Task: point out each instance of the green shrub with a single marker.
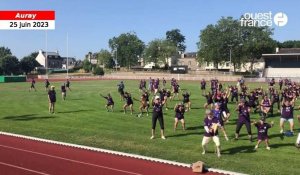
(98, 71)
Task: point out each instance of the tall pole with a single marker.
(230, 57)
(67, 55)
(46, 59)
(117, 59)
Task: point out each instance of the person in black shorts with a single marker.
(144, 104)
(157, 114)
(262, 132)
(68, 84)
(186, 100)
(47, 84)
(179, 115)
(243, 118)
(209, 100)
(203, 85)
(121, 87)
(63, 91)
(32, 85)
(51, 99)
(129, 102)
(110, 102)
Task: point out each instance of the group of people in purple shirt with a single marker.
(217, 112)
(215, 117)
(52, 93)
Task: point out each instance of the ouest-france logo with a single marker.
(280, 19)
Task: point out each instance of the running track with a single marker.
(19, 156)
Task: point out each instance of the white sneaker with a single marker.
(256, 146)
(268, 148)
(281, 131)
(152, 137)
(203, 152)
(219, 155)
(163, 137)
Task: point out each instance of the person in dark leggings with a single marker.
(157, 115)
(51, 99)
(244, 118)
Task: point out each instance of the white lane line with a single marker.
(25, 169)
(70, 160)
(115, 153)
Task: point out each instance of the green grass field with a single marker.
(82, 119)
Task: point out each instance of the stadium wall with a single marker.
(282, 72)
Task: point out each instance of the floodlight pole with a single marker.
(67, 55)
(46, 59)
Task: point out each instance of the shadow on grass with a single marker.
(27, 117)
(239, 149)
(196, 108)
(281, 136)
(179, 133)
(194, 127)
(75, 111)
(281, 145)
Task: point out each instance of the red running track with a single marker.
(28, 157)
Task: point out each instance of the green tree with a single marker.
(98, 71)
(28, 63)
(87, 66)
(105, 58)
(257, 40)
(159, 51)
(175, 37)
(152, 51)
(289, 44)
(127, 48)
(228, 41)
(210, 45)
(4, 51)
(9, 65)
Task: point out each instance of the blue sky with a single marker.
(91, 23)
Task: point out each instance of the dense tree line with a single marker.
(10, 64)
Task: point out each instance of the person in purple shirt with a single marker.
(186, 100)
(280, 83)
(252, 103)
(179, 115)
(32, 85)
(164, 82)
(218, 113)
(144, 101)
(157, 114)
(156, 86)
(51, 99)
(209, 100)
(287, 114)
(110, 102)
(63, 91)
(203, 85)
(211, 125)
(262, 132)
(275, 99)
(234, 93)
(47, 84)
(129, 102)
(265, 106)
(68, 84)
(176, 89)
(244, 118)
